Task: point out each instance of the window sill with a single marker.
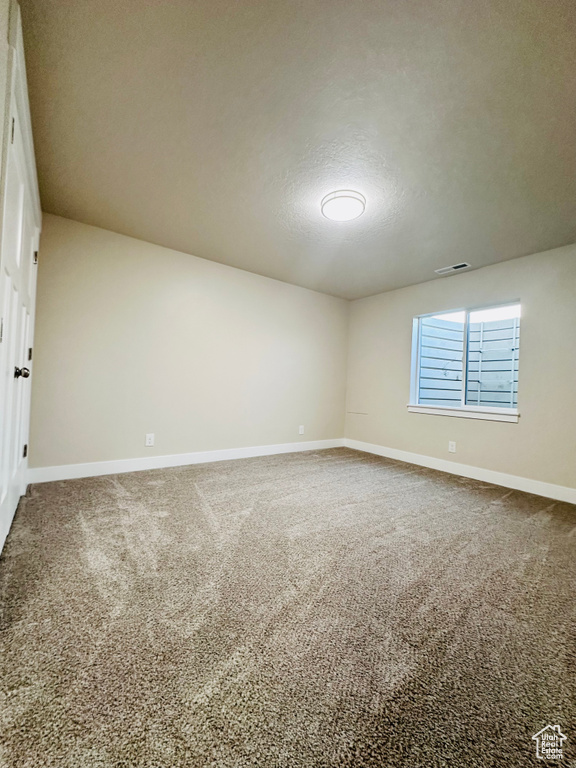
(468, 412)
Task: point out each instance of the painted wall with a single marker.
(542, 445)
(133, 338)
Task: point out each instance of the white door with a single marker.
(17, 297)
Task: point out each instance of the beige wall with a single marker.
(542, 446)
(134, 338)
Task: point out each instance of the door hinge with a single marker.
(35, 257)
(25, 451)
(1, 329)
(12, 139)
(29, 353)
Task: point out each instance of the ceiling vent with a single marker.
(453, 268)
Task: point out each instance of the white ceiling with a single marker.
(215, 127)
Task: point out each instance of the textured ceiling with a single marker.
(216, 126)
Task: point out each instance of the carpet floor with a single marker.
(321, 609)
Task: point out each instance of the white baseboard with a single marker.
(551, 491)
(96, 468)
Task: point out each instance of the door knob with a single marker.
(24, 372)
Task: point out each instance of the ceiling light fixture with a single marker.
(343, 205)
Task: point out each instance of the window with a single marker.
(465, 363)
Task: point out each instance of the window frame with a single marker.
(487, 413)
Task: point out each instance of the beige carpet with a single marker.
(327, 608)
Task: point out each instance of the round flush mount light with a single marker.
(343, 205)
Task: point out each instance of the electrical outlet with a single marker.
(301, 430)
(451, 446)
(149, 439)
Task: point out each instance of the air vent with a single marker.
(453, 268)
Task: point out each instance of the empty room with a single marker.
(287, 376)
